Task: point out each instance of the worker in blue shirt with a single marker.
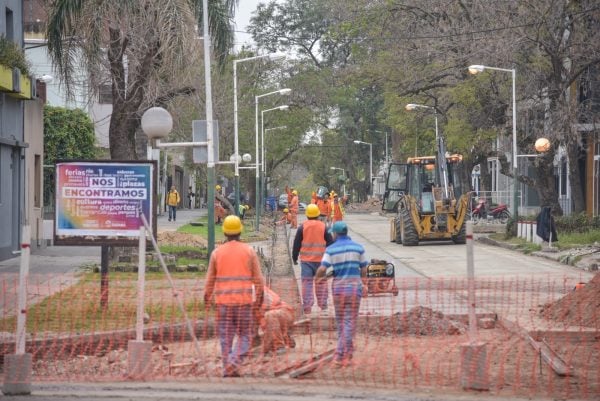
(346, 263)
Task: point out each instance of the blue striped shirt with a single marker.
(344, 260)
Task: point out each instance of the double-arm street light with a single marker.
(344, 175)
(414, 106)
(476, 69)
(262, 148)
(272, 56)
(263, 152)
(284, 91)
(370, 163)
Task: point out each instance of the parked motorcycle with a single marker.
(497, 212)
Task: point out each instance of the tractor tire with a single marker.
(461, 237)
(398, 223)
(409, 232)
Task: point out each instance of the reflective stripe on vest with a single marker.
(313, 241)
(233, 281)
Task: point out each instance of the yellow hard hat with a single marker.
(312, 210)
(294, 192)
(232, 225)
(218, 187)
(286, 210)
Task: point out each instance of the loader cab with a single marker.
(418, 178)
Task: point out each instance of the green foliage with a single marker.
(576, 223)
(576, 239)
(68, 134)
(13, 56)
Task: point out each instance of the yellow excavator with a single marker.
(429, 197)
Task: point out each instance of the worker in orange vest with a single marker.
(337, 208)
(286, 218)
(290, 193)
(309, 246)
(324, 208)
(293, 206)
(276, 322)
(235, 279)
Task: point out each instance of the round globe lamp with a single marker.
(157, 122)
(542, 145)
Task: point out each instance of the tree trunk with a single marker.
(573, 153)
(122, 133)
(546, 188)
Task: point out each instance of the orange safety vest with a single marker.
(323, 205)
(313, 241)
(337, 211)
(233, 281)
(293, 206)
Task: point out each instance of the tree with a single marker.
(68, 134)
(141, 49)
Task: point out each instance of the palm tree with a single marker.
(139, 47)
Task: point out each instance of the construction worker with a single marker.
(324, 207)
(309, 245)
(345, 261)
(293, 206)
(337, 208)
(220, 211)
(235, 279)
(173, 200)
(286, 218)
(290, 193)
(276, 322)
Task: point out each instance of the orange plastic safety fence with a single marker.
(536, 335)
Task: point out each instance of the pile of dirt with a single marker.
(419, 321)
(580, 307)
(371, 206)
(181, 239)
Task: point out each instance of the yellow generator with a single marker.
(381, 278)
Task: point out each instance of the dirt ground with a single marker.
(581, 307)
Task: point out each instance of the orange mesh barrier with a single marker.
(540, 334)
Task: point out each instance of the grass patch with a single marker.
(248, 233)
(181, 249)
(574, 240)
(77, 310)
(202, 230)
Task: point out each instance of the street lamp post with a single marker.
(284, 91)
(475, 69)
(344, 175)
(370, 163)
(263, 152)
(272, 56)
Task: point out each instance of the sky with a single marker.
(242, 19)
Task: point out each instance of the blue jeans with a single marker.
(172, 212)
(346, 315)
(234, 320)
(307, 273)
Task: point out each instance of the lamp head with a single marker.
(410, 107)
(157, 122)
(285, 91)
(357, 142)
(476, 69)
(284, 107)
(46, 78)
(247, 157)
(542, 145)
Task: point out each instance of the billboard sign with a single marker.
(99, 202)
